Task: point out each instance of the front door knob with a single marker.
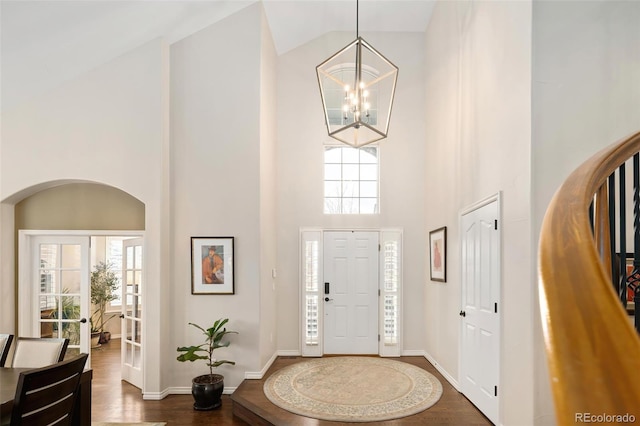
(463, 314)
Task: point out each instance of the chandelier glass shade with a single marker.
(357, 85)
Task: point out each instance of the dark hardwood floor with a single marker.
(116, 401)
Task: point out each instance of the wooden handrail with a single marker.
(593, 352)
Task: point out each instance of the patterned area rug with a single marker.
(353, 389)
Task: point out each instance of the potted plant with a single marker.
(207, 389)
(104, 283)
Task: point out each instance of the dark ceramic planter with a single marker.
(207, 391)
(105, 336)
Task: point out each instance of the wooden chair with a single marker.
(36, 352)
(48, 395)
(5, 345)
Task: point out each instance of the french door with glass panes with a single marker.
(56, 302)
(132, 281)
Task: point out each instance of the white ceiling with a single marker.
(45, 43)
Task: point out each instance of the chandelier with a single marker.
(357, 85)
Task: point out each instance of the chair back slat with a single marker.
(62, 415)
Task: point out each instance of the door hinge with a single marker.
(378, 292)
(495, 307)
(495, 391)
(378, 337)
(495, 224)
(379, 247)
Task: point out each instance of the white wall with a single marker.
(105, 126)
(478, 139)
(219, 156)
(586, 95)
(268, 170)
(7, 270)
(301, 135)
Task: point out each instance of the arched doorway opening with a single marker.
(104, 216)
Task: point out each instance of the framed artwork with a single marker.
(212, 265)
(438, 254)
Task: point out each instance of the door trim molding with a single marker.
(479, 204)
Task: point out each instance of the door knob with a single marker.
(82, 320)
(121, 315)
(326, 299)
(463, 314)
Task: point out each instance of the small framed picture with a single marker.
(212, 265)
(438, 254)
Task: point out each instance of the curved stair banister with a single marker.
(593, 351)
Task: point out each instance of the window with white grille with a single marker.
(351, 180)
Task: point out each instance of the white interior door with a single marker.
(351, 292)
(132, 285)
(480, 346)
(54, 300)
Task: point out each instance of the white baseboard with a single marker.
(413, 352)
(116, 336)
(182, 390)
(260, 374)
(442, 371)
(291, 352)
(157, 396)
(257, 375)
(179, 390)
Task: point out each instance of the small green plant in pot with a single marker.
(207, 389)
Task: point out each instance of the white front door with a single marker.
(132, 284)
(350, 293)
(54, 301)
(480, 321)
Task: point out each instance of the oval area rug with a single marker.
(353, 389)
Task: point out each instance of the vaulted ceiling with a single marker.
(45, 43)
